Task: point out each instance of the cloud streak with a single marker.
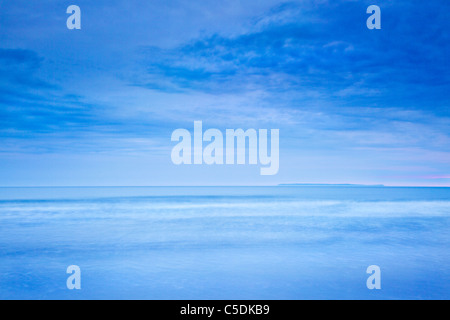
(338, 92)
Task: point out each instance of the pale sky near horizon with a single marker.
(97, 106)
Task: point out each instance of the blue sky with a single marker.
(97, 106)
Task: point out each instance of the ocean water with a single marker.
(225, 242)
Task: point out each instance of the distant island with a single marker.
(328, 185)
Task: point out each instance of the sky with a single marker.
(97, 106)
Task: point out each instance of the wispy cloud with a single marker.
(345, 98)
(329, 53)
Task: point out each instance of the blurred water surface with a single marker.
(292, 242)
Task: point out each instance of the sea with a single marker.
(252, 243)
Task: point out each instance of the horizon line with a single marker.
(233, 186)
